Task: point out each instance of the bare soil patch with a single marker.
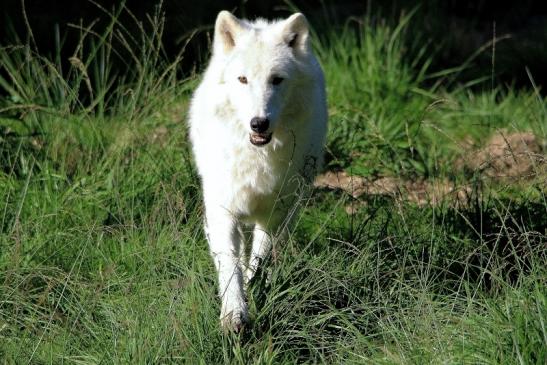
(506, 157)
(420, 192)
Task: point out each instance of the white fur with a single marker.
(248, 184)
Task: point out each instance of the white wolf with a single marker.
(258, 121)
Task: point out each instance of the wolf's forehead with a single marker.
(260, 53)
(261, 42)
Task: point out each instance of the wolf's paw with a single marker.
(259, 274)
(234, 319)
(248, 275)
(254, 269)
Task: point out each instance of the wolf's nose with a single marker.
(260, 125)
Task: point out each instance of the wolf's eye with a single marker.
(277, 80)
(242, 79)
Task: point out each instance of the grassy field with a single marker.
(103, 258)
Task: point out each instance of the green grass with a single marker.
(103, 258)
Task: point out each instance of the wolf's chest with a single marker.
(257, 174)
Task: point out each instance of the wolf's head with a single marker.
(263, 65)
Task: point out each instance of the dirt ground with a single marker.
(506, 157)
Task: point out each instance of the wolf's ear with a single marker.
(227, 29)
(296, 32)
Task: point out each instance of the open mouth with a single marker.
(260, 139)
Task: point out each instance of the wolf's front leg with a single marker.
(224, 243)
(267, 230)
(261, 246)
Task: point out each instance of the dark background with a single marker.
(455, 29)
